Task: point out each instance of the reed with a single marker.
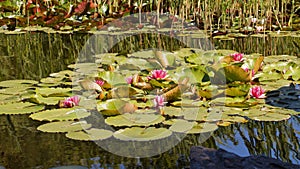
(214, 14)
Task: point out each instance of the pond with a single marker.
(268, 126)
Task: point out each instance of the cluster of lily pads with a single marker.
(149, 95)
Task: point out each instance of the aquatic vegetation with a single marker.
(129, 79)
(257, 92)
(159, 101)
(158, 74)
(237, 57)
(188, 96)
(71, 101)
(100, 82)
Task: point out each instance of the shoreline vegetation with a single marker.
(244, 16)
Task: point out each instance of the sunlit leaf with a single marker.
(61, 114)
(91, 134)
(142, 134)
(63, 126)
(20, 108)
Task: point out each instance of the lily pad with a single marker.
(63, 126)
(271, 117)
(197, 114)
(236, 73)
(173, 111)
(4, 98)
(47, 100)
(142, 134)
(203, 128)
(113, 78)
(20, 108)
(14, 83)
(182, 126)
(60, 114)
(89, 135)
(115, 107)
(48, 92)
(134, 120)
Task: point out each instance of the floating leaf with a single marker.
(173, 111)
(58, 92)
(134, 120)
(115, 107)
(271, 117)
(203, 128)
(182, 126)
(197, 114)
(63, 126)
(61, 114)
(237, 119)
(52, 80)
(15, 90)
(8, 98)
(20, 108)
(235, 91)
(15, 83)
(113, 78)
(91, 134)
(123, 92)
(46, 100)
(142, 134)
(235, 73)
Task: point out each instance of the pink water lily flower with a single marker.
(129, 79)
(71, 101)
(100, 82)
(252, 71)
(238, 57)
(159, 101)
(257, 92)
(158, 74)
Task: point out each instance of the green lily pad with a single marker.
(46, 100)
(115, 107)
(63, 126)
(197, 114)
(52, 80)
(89, 135)
(20, 108)
(15, 83)
(182, 126)
(134, 120)
(58, 92)
(203, 128)
(230, 118)
(4, 98)
(142, 134)
(235, 73)
(112, 78)
(60, 114)
(15, 90)
(173, 111)
(63, 73)
(271, 117)
(123, 92)
(235, 91)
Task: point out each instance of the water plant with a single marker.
(185, 98)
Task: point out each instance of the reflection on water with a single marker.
(22, 146)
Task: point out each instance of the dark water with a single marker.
(36, 55)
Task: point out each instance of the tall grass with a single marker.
(218, 13)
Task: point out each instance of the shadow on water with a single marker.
(22, 146)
